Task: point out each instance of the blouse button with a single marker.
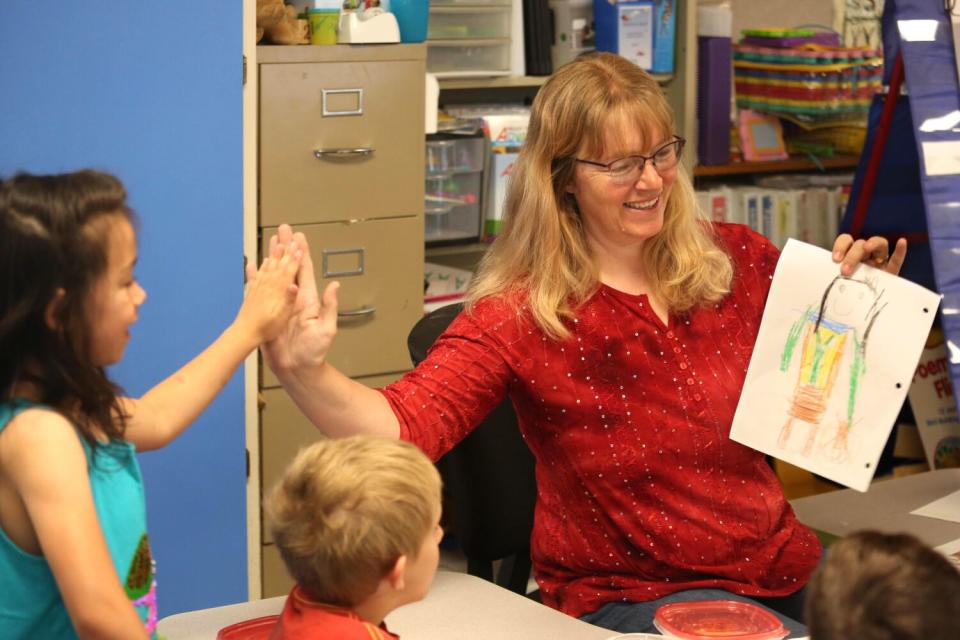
(696, 397)
(683, 365)
(669, 334)
(676, 349)
(690, 381)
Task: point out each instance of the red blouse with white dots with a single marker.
(641, 491)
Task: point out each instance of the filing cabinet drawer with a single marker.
(378, 306)
(276, 580)
(284, 430)
(366, 123)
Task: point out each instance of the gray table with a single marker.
(886, 506)
(458, 606)
(464, 607)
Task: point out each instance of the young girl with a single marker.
(74, 553)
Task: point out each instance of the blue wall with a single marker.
(151, 91)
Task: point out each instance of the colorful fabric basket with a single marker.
(810, 85)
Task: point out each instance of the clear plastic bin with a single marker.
(455, 155)
(452, 206)
(449, 58)
(450, 222)
(469, 22)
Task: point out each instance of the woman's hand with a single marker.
(309, 332)
(874, 251)
(268, 302)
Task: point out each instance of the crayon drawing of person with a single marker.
(846, 314)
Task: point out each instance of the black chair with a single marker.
(490, 478)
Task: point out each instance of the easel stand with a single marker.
(885, 198)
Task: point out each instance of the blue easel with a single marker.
(901, 186)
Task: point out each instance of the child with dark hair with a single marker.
(74, 554)
(878, 586)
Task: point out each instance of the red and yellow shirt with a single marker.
(306, 619)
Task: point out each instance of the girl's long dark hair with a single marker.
(48, 244)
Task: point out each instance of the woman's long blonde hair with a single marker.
(542, 251)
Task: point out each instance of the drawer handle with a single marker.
(324, 154)
(363, 311)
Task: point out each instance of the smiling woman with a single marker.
(620, 323)
(603, 110)
(622, 205)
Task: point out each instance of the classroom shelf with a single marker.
(501, 82)
(456, 249)
(796, 163)
(492, 83)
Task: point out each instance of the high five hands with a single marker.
(270, 294)
(304, 342)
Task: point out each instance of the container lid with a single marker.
(253, 629)
(729, 619)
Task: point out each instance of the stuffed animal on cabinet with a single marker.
(277, 23)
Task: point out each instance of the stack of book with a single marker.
(781, 207)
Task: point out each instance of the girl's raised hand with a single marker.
(271, 292)
(161, 414)
(305, 341)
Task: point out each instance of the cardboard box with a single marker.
(934, 405)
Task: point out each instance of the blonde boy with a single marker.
(357, 522)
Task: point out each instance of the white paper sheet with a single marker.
(941, 158)
(952, 551)
(635, 33)
(831, 365)
(945, 508)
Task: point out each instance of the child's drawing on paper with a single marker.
(831, 364)
(832, 336)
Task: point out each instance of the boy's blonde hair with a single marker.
(347, 508)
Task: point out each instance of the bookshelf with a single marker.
(499, 82)
(502, 82)
(794, 163)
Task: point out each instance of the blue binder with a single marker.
(643, 31)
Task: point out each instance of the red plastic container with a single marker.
(729, 619)
(253, 629)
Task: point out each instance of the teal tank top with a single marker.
(30, 603)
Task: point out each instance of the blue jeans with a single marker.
(638, 616)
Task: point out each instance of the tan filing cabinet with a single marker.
(341, 157)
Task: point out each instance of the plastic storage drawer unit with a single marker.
(452, 206)
(455, 155)
(464, 58)
(469, 22)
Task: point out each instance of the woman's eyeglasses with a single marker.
(624, 171)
